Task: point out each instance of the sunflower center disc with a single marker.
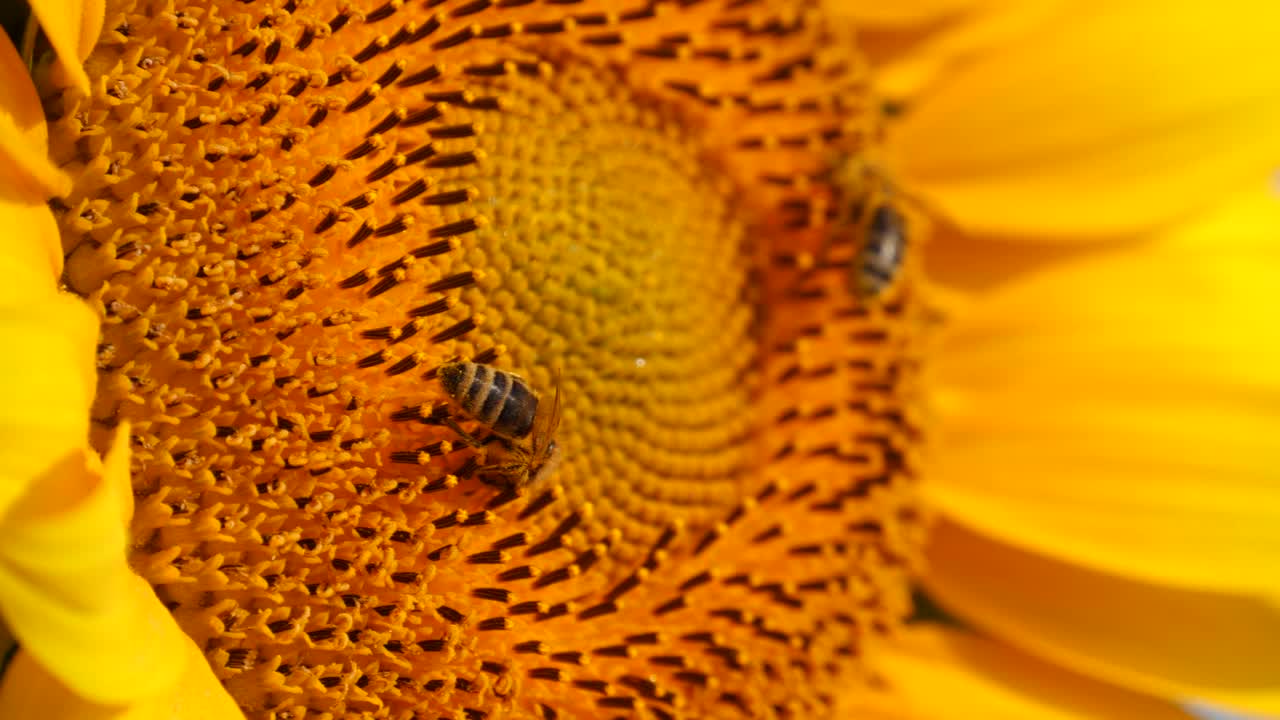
(289, 217)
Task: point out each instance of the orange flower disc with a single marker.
(291, 213)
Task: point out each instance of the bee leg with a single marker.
(499, 475)
(507, 468)
(476, 463)
(466, 437)
(468, 468)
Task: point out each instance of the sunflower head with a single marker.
(297, 220)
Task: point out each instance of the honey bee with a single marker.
(503, 402)
(870, 217)
(884, 246)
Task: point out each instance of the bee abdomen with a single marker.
(883, 250)
(496, 398)
(513, 417)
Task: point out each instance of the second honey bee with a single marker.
(869, 215)
(504, 403)
(883, 248)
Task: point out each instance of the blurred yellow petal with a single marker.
(911, 72)
(898, 14)
(110, 640)
(1122, 410)
(1250, 218)
(72, 27)
(24, 139)
(932, 673)
(30, 691)
(978, 264)
(1172, 643)
(20, 108)
(30, 251)
(49, 381)
(1112, 119)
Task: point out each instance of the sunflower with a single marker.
(274, 222)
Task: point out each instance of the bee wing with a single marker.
(545, 425)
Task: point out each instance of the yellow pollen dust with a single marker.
(290, 214)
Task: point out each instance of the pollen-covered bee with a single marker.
(503, 402)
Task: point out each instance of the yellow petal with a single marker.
(898, 14)
(48, 385)
(1122, 411)
(912, 70)
(27, 174)
(976, 264)
(1171, 643)
(933, 673)
(69, 595)
(30, 250)
(30, 691)
(1112, 119)
(72, 27)
(1250, 219)
(1207, 711)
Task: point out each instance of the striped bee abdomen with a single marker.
(497, 398)
(882, 252)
